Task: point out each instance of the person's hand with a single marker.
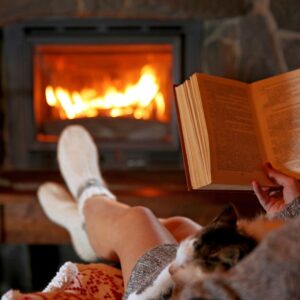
(274, 200)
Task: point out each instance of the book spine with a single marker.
(185, 161)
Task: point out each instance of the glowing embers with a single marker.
(140, 100)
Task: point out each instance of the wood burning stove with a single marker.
(123, 89)
(114, 77)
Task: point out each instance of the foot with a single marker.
(60, 207)
(79, 165)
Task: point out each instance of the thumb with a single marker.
(291, 186)
(260, 194)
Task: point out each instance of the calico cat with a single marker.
(215, 248)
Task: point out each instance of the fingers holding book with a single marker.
(274, 199)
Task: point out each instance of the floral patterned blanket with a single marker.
(80, 282)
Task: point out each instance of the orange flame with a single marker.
(143, 100)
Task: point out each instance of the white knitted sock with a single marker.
(60, 207)
(91, 188)
(79, 165)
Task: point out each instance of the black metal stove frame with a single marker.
(24, 151)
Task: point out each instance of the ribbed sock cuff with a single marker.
(90, 189)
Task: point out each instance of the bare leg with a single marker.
(180, 227)
(61, 208)
(118, 231)
(114, 229)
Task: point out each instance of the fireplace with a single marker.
(113, 77)
(123, 90)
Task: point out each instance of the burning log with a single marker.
(120, 129)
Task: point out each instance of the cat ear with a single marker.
(230, 256)
(228, 216)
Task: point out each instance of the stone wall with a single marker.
(244, 39)
(254, 46)
(159, 9)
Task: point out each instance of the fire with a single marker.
(142, 100)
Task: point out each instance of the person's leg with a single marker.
(180, 227)
(118, 231)
(61, 208)
(114, 229)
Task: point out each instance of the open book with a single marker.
(229, 128)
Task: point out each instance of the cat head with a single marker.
(215, 248)
(220, 245)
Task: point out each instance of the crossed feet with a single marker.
(79, 165)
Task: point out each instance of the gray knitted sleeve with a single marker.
(291, 210)
(148, 267)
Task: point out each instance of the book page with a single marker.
(236, 155)
(277, 104)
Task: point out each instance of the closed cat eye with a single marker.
(208, 263)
